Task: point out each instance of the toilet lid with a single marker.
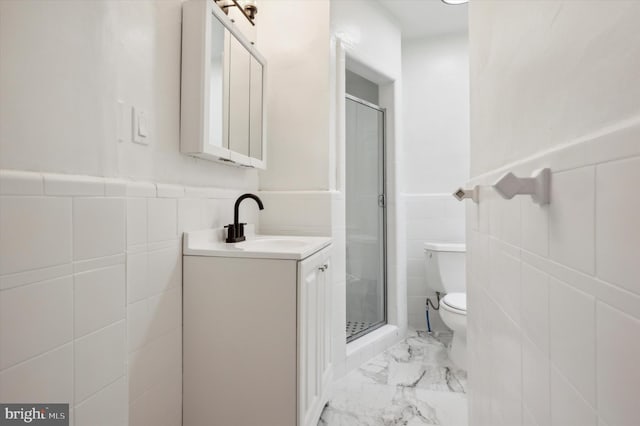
(456, 300)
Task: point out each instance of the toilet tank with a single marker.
(445, 266)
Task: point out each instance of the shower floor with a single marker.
(355, 327)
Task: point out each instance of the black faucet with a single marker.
(235, 230)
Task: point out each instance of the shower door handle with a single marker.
(382, 202)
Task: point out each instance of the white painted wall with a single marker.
(436, 113)
(66, 64)
(295, 39)
(565, 89)
(435, 74)
(370, 35)
(553, 293)
(91, 267)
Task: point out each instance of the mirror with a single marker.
(240, 79)
(218, 92)
(222, 108)
(256, 129)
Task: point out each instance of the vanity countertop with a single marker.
(210, 242)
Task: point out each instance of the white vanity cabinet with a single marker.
(257, 336)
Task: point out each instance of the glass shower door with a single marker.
(365, 218)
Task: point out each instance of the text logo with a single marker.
(34, 414)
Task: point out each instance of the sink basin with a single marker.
(267, 244)
(210, 242)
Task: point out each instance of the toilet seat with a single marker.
(455, 302)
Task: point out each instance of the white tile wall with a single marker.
(618, 373)
(535, 227)
(47, 377)
(158, 360)
(20, 183)
(535, 307)
(99, 360)
(567, 405)
(572, 219)
(137, 283)
(190, 214)
(136, 221)
(34, 319)
(535, 382)
(164, 269)
(99, 298)
(98, 227)
(36, 233)
(162, 219)
(73, 185)
(504, 278)
(105, 407)
(90, 292)
(576, 323)
(527, 418)
(617, 230)
(572, 336)
(506, 357)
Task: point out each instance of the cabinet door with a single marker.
(325, 326)
(314, 337)
(255, 118)
(308, 394)
(218, 84)
(239, 97)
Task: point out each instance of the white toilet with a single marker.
(446, 273)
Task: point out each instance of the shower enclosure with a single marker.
(365, 218)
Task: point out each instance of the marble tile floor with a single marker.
(412, 383)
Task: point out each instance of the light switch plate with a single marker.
(139, 127)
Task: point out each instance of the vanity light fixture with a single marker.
(248, 8)
(455, 2)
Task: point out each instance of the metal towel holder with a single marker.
(462, 194)
(538, 186)
(509, 185)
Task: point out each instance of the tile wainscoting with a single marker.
(91, 292)
(553, 291)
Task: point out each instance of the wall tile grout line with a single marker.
(69, 273)
(73, 306)
(549, 266)
(602, 137)
(38, 355)
(75, 405)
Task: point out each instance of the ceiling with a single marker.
(424, 18)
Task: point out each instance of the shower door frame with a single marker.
(382, 204)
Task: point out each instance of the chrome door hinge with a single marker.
(382, 201)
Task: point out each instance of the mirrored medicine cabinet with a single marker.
(222, 112)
